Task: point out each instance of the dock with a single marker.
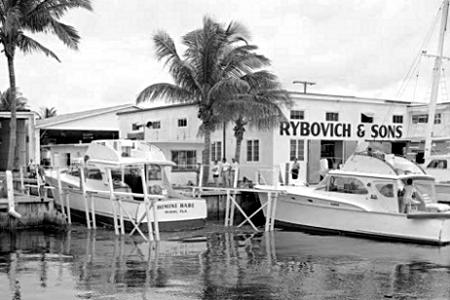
(20, 209)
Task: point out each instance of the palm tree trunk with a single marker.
(206, 156)
(12, 150)
(237, 153)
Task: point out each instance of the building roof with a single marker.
(156, 108)
(82, 115)
(331, 97)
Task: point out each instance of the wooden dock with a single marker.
(20, 210)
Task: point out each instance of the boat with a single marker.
(364, 198)
(124, 160)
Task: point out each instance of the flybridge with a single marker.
(340, 130)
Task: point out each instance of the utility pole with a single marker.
(435, 83)
(305, 84)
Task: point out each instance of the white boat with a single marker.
(364, 198)
(125, 159)
(438, 166)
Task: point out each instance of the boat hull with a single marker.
(172, 214)
(297, 211)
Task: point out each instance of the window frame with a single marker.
(297, 114)
(185, 166)
(332, 116)
(253, 150)
(182, 123)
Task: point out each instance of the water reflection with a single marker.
(226, 265)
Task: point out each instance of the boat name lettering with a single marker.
(340, 130)
(167, 206)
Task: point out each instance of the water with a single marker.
(216, 264)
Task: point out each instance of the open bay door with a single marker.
(313, 161)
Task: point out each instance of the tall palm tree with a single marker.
(258, 105)
(5, 101)
(215, 59)
(47, 112)
(18, 16)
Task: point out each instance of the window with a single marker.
(154, 124)
(297, 114)
(397, 119)
(216, 151)
(184, 159)
(135, 126)
(438, 164)
(346, 185)
(385, 189)
(154, 172)
(182, 122)
(297, 150)
(437, 119)
(424, 118)
(253, 150)
(366, 118)
(332, 116)
(94, 174)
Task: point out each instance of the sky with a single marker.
(352, 47)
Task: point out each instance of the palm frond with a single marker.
(166, 91)
(181, 71)
(28, 45)
(66, 33)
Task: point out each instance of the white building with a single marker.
(317, 127)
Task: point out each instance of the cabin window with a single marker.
(216, 151)
(74, 172)
(154, 172)
(332, 116)
(397, 119)
(94, 174)
(348, 185)
(186, 160)
(438, 164)
(253, 150)
(385, 189)
(297, 114)
(297, 150)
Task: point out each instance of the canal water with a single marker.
(214, 263)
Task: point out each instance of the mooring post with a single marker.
(10, 192)
(200, 178)
(60, 192)
(83, 192)
(269, 211)
(22, 180)
(227, 209)
(69, 216)
(274, 209)
(94, 221)
(113, 200)
(147, 203)
(155, 218)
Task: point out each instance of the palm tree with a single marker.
(258, 106)
(210, 72)
(5, 101)
(18, 16)
(47, 112)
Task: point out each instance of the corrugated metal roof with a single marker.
(82, 115)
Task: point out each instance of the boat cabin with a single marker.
(376, 183)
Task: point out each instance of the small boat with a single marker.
(126, 159)
(365, 198)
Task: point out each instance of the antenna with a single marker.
(305, 84)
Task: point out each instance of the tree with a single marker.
(47, 112)
(18, 16)
(5, 101)
(215, 59)
(258, 106)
